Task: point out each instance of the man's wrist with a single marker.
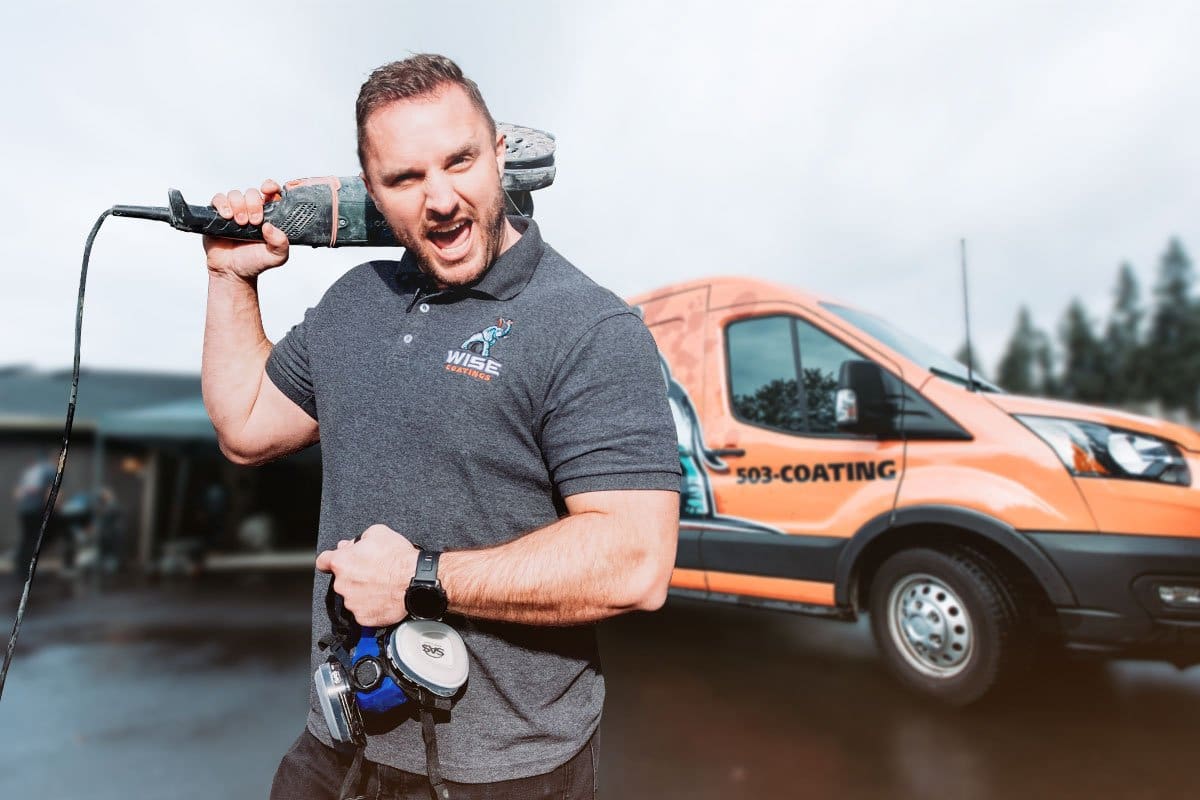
(403, 567)
(223, 277)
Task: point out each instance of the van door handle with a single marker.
(731, 452)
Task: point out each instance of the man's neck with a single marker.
(509, 237)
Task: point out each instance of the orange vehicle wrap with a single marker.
(839, 508)
(689, 579)
(750, 526)
(1005, 471)
(813, 593)
(1126, 506)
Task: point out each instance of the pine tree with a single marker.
(1173, 345)
(1083, 375)
(1044, 362)
(1124, 367)
(1017, 370)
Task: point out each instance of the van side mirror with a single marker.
(862, 404)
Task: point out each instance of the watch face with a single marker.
(424, 601)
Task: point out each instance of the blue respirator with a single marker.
(420, 660)
(424, 661)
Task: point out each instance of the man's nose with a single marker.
(440, 198)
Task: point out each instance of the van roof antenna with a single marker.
(967, 318)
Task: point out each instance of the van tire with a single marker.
(946, 622)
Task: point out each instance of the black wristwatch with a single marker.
(425, 598)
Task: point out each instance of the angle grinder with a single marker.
(338, 212)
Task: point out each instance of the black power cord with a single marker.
(48, 510)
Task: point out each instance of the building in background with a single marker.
(146, 437)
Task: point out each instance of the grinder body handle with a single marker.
(304, 212)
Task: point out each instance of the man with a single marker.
(30, 494)
(547, 475)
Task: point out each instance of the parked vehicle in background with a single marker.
(833, 465)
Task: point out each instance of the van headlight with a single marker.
(1091, 450)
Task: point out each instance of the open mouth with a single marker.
(452, 240)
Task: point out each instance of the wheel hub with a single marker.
(929, 623)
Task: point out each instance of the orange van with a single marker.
(833, 465)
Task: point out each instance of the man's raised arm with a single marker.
(255, 422)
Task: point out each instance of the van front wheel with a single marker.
(945, 622)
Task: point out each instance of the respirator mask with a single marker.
(372, 672)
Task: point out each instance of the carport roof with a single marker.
(181, 419)
(35, 400)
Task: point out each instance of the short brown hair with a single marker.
(420, 75)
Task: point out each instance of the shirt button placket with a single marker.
(417, 323)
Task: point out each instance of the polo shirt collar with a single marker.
(514, 268)
(508, 275)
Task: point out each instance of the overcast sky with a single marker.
(844, 148)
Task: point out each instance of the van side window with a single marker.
(821, 358)
(762, 373)
(766, 355)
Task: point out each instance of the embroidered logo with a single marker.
(473, 358)
(487, 337)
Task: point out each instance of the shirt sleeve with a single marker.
(606, 424)
(289, 369)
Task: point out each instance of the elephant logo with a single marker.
(487, 338)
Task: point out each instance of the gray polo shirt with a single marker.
(462, 418)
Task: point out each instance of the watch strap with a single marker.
(427, 567)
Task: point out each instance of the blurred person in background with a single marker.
(107, 530)
(30, 494)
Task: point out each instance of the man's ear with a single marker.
(501, 152)
(367, 183)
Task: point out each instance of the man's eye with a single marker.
(460, 163)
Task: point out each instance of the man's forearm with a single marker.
(585, 567)
(235, 350)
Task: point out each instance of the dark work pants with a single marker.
(312, 771)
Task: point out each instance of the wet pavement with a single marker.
(194, 689)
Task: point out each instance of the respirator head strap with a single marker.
(350, 785)
(433, 765)
(344, 627)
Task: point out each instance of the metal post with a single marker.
(149, 510)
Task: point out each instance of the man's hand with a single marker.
(246, 260)
(372, 574)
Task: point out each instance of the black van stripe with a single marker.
(770, 555)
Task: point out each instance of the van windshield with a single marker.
(910, 347)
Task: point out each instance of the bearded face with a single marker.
(433, 167)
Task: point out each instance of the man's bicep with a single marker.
(643, 525)
(648, 517)
(283, 418)
(655, 507)
(277, 426)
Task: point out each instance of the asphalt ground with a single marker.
(193, 689)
